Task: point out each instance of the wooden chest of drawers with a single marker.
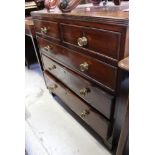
(80, 52)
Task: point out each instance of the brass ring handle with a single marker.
(84, 113)
(84, 66)
(44, 30)
(52, 67)
(52, 88)
(83, 41)
(84, 91)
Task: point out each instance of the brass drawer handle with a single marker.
(84, 91)
(84, 113)
(47, 48)
(84, 66)
(82, 41)
(52, 67)
(44, 30)
(52, 88)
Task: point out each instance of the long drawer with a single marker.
(98, 40)
(97, 122)
(88, 91)
(102, 73)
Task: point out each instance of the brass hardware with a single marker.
(47, 48)
(84, 66)
(43, 30)
(84, 113)
(82, 41)
(52, 88)
(84, 91)
(52, 67)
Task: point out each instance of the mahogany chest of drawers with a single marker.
(80, 53)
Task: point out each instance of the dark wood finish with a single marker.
(97, 98)
(120, 116)
(109, 45)
(100, 72)
(99, 24)
(80, 54)
(121, 130)
(93, 119)
(122, 148)
(51, 27)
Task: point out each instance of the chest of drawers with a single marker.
(80, 52)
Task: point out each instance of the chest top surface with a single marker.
(88, 12)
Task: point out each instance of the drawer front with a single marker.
(102, 73)
(88, 91)
(96, 121)
(98, 40)
(46, 28)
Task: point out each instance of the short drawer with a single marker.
(96, 121)
(98, 40)
(102, 73)
(90, 92)
(47, 28)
